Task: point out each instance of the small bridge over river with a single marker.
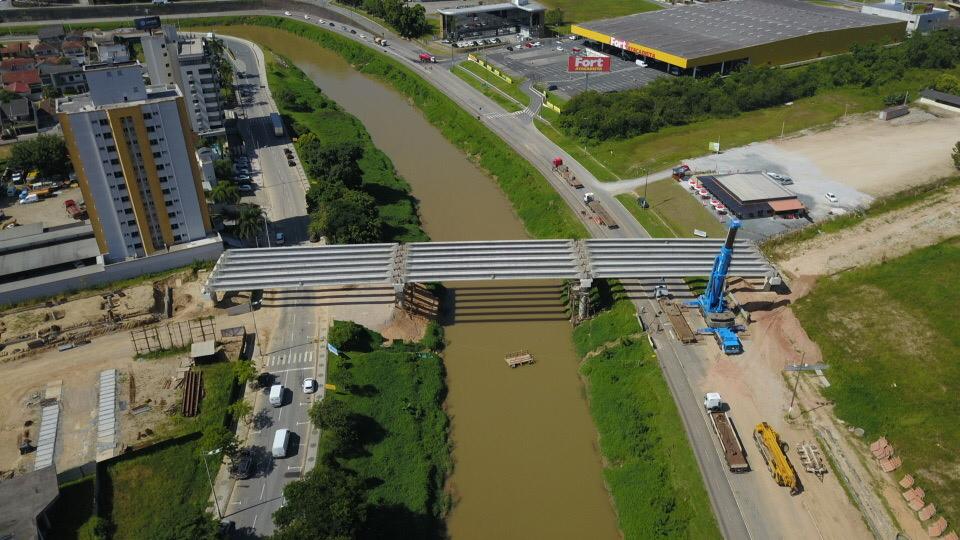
(399, 265)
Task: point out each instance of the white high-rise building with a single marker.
(174, 59)
(133, 151)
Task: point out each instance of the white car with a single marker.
(363, 36)
(832, 198)
(309, 386)
(641, 63)
(559, 48)
(307, 17)
(287, 13)
(572, 37)
(321, 21)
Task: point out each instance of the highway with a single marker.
(296, 349)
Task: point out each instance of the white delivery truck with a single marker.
(280, 440)
(276, 395)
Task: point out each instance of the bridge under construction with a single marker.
(400, 265)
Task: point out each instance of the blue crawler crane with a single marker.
(713, 303)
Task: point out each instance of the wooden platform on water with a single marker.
(518, 358)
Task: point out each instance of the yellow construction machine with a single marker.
(774, 453)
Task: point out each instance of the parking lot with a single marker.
(547, 64)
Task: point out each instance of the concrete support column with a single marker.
(583, 298)
(399, 293)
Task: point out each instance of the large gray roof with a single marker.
(56, 246)
(700, 30)
(22, 499)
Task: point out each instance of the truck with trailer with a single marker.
(723, 426)
(277, 124)
(565, 173)
(600, 215)
(774, 453)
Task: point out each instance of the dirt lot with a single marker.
(50, 211)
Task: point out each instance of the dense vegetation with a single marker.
(384, 451)
(45, 153)
(648, 465)
(355, 194)
(675, 101)
(408, 21)
(543, 212)
(893, 352)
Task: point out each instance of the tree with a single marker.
(249, 221)
(223, 169)
(219, 438)
(554, 17)
(330, 414)
(244, 371)
(353, 219)
(956, 155)
(225, 193)
(947, 83)
(242, 410)
(329, 504)
(331, 161)
(350, 336)
(45, 153)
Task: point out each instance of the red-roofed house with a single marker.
(20, 88)
(31, 79)
(17, 64)
(17, 49)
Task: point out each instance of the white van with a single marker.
(280, 440)
(276, 395)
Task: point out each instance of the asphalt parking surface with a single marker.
(547, 65)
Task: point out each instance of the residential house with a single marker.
(75, 49)
(19, 81)
(51, 34)
(64, 78)
(16, 116)
(110, 51)
(47, 49)
(16, 49)
(17, 64)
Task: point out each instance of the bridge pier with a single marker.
(581, 299)
(399, 294)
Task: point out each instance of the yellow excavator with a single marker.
(774, 453)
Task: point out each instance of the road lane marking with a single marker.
(262, 490)
(254, 526)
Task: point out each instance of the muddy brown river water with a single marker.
(525, 448)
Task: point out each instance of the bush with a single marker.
(433, 337)
(350, 336)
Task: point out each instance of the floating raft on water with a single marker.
(518, 358)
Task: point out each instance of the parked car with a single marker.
(831, 197)
(245, 189)
(309, 386)
(243, 177)
(291, 163)
(279, 239)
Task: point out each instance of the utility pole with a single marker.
(216, 501)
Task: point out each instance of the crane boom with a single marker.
(712, 300)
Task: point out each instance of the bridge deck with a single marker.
(424, 262)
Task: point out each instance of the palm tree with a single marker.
(250, 221)
(225, 193)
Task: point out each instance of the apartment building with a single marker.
(185, 62)
(133, 152)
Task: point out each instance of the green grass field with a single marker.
(404, 433)
(667, 147)
(508, 104)
(396, 205)
(511, 89)
(892, 338)
(672, 212)
(648, 465)
(158, 493)
(591, 10)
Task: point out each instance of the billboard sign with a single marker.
(147, 23)
(588, 64)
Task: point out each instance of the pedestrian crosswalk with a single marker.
(524, 112)
(291, 359)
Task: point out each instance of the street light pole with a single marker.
(206, 467)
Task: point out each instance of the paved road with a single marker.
(296, 350)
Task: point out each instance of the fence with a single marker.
(489, 67)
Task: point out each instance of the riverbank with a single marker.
(648, 465)
(542, 211)
(307, 110)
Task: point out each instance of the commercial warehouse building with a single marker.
(521, 17)
(752, 195)
(718, 37)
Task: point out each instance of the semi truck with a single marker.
(600, 215)
(428, 58)
(774, 453)
(565, 173)
(277, 124)
(726, 433)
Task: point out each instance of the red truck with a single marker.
(565, 173)
(428, 58)
(74, 210)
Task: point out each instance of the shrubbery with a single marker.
(673, 101)
(350, 336)
(409, 21)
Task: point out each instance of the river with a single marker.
(525, 449)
